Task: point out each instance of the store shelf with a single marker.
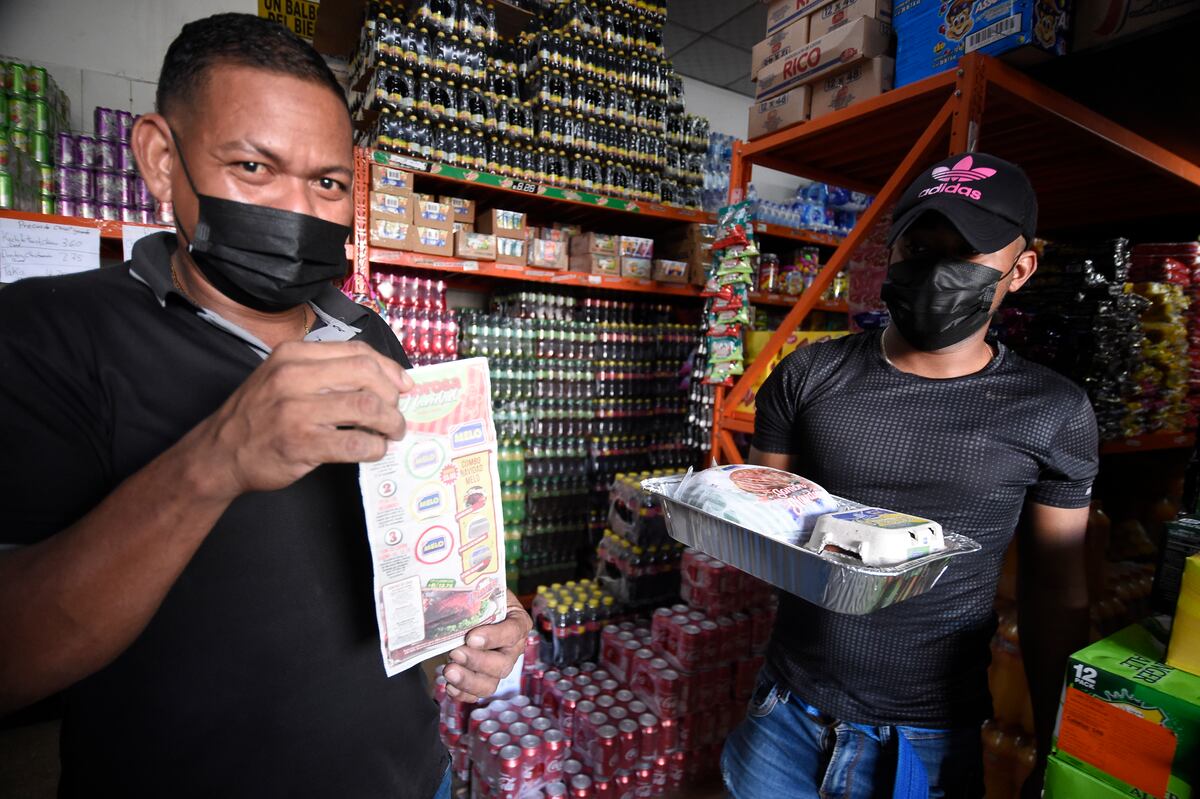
(109, 230)
(795, 234)
(1149, 443)
(564, 205)
(788, 300)
(490, 269)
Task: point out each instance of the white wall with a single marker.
(729, 113)
(101, 52)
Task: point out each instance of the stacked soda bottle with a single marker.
(587, 388)
(415, 308)
(585, 100)
(567, 618)
(511, 460)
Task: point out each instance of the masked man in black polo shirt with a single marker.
(180, 436)
(929, 418)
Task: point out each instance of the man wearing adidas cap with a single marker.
(931, 418)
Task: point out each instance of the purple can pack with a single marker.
(106, 123)
(106, 152)
(108, 187)
(85, 151)
(145, 216)
(128, 190)
(68, 207)
(85, 209)
(65, 152)
(144, 198)
(74, 183)
(124, 125)
(125, 159)
(109, 211)
(164, 214)
(129, 213)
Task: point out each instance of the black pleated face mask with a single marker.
(937, 302)
(260, 257)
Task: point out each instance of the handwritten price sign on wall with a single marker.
(44, 249)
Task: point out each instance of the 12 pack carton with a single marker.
(1128, 719)
(933, 35)
(864, 80)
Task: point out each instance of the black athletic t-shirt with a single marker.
(260, 674)
(966, 452)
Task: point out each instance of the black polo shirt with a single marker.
(260, 674)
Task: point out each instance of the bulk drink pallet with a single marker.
(1090, 173)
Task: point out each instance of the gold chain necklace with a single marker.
(308, 323)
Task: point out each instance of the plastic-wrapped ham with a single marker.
(771, 502)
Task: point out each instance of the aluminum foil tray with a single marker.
(836, 582)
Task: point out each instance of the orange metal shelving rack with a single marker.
(1089, 172)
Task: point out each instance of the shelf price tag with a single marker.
(45, 249)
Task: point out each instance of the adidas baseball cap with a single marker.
(987, 199)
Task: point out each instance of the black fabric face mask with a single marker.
(264, 258)
(937, 302)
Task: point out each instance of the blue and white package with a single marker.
(933, 35)
(770, 502)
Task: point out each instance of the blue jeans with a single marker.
(786, 749)
(443, 791)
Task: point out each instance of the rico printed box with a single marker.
(843, 12)
(863, 38)
(1130, 720)
(864, 80)
(933, 35)
(780, 44)
(779, 112)
(434, 521)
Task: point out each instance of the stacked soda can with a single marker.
(32, 111)
(415, 308)
(718, 587)
(95, 176)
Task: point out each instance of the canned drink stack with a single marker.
(581, 787)
(497, 742)
(106, 124)
(124, 125)
(64, 149)
(86, 152)
(509, 771)
(555, 790)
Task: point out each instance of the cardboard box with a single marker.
(427, 198)
(1066, 782)
(474, 246)
(551, 234)
(931, 41)
(596, 264)
(833, 52)
(782, 13)
(634, 247)
(512, 250)
(430, 240)
(388, 233)
(779, 112)
(780, 44)
(547, 254)
(1130, 720)
(391, 181)
(463, 210)
(395, 206)
(433, 214)
(843, 12)
(510, 224)
(1184, 651)
(864, 80)
(636, 267)
(665, 271)
(594, 244)
(463, 227)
